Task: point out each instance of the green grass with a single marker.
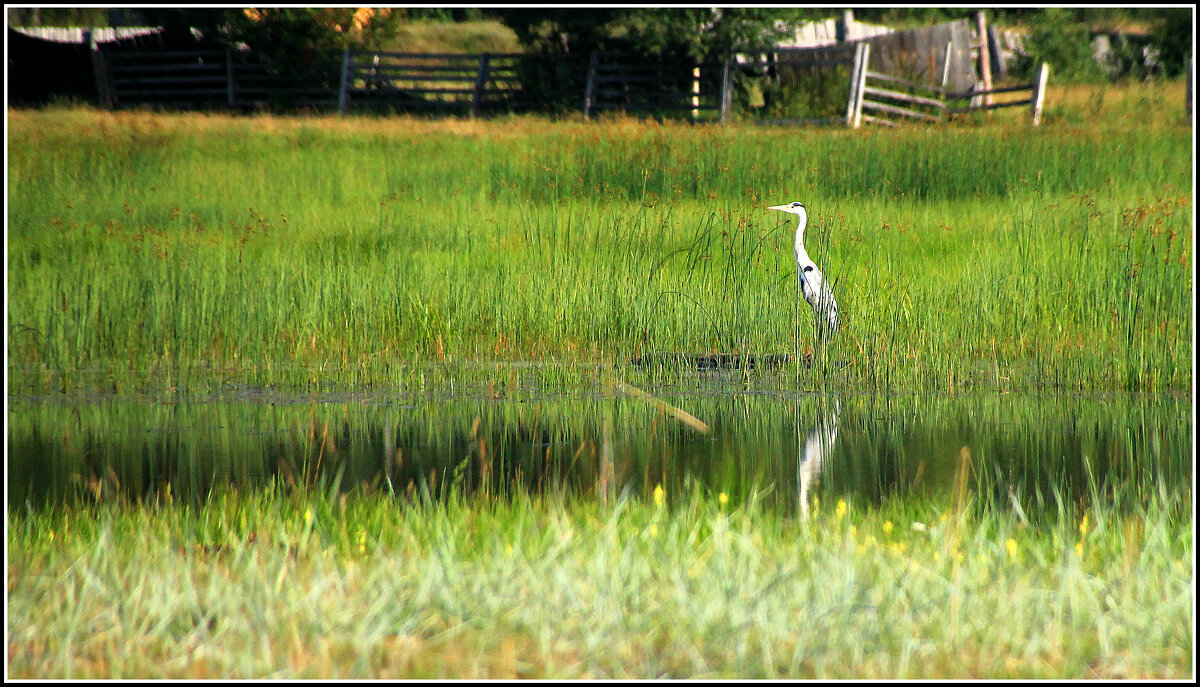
(282, 583)
(454, 37)
(150, 252)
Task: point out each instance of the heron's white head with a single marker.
(796, 208)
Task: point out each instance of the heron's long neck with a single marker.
(800, 235)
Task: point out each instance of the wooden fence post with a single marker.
(858, 78)
(229, 77)
(480, 80)
(590, 90)
(985, 59)
(1039, 92)
(842, 29)
(726, 88)
(347, 77)
(99, 71)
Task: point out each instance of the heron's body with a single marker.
(816, 290)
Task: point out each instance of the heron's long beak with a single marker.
(779, 207)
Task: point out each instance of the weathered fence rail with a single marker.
(927, 102)
(629, 83)
(199, 78)
(472, 82)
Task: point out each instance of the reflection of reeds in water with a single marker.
(817, 446)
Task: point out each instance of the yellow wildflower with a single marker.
(722, 498)
(1083, 525)
(1011, 545)
(887, 527)
(841, 508)
(659, 495)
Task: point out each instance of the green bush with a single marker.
(1065, 45)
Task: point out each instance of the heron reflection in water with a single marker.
(817, 446)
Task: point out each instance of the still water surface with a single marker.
(1025, 451)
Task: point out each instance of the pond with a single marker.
(788, 448)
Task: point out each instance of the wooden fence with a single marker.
(471, 82)
(884, 94)
(399, 81)
(631, 83)
(198, 78)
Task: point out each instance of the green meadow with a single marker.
(339, 397)
(151, 252)
(279, 583)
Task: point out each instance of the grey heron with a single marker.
(816, 290)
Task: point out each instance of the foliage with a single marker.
(698, 33)
(1173, 37)
(1065, 45)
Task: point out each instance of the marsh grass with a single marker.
(157, 252)
(308, 584)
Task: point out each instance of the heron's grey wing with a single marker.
(810, 282)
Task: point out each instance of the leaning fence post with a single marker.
(946, 64)
(590, 90)
(1039, 92)
(344, 87)
(858, 78)
(480, 79)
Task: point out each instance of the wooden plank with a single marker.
(878, 120)
(638, 107)
(897, 95)
(665, 96)
(435, 56)
(879, 76)
(384, 68)
(171, 68)
(903, 111)
(421, 89)
(159, 56)
(993, 106)
(181, 94)
(964, 95)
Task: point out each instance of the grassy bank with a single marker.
(282, 584)
(151, 252)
